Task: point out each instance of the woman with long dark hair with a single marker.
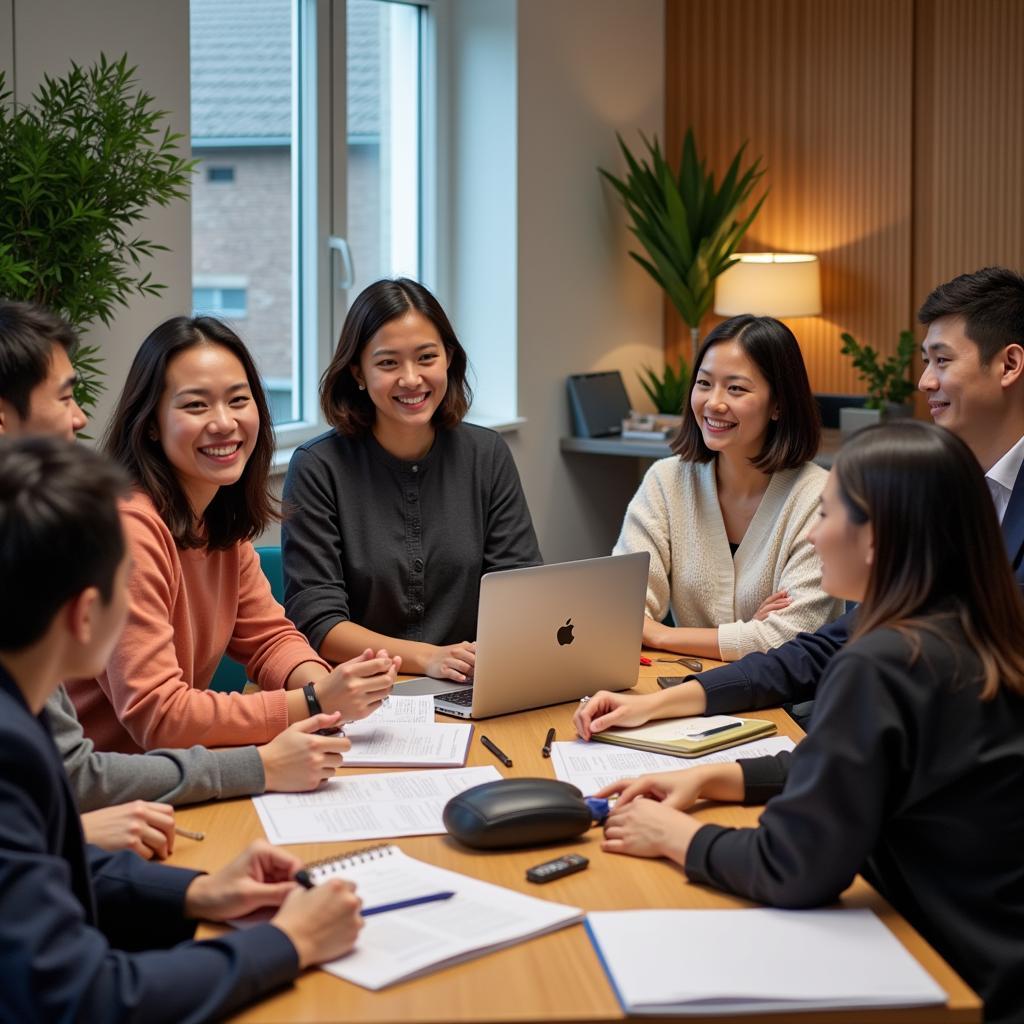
(913, 766)
(394, 515)
(193, 430)
(725, 519)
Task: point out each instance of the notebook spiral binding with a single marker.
(361, 856)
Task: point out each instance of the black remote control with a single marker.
(552, 869)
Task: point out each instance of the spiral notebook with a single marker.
(414, 941)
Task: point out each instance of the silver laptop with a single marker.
(550, 634)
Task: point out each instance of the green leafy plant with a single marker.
(888, 381)
(79, 167)
(688, 227)
(668, 390)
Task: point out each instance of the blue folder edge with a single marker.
(604, 964)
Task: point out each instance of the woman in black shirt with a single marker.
(913, 766)
(394, 515)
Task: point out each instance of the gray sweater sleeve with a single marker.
(99, 779)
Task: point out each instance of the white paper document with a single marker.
(590, 766)
(355, 807)
(407, 943)
(400, 709)
(402, 734)
(697, 962)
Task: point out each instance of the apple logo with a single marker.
(564, 634)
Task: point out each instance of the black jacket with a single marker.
(74, 920)
(909, 778)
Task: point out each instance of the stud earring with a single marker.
(362, 387)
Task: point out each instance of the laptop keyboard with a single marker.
(464, 698)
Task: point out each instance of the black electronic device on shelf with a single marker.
(598, 403)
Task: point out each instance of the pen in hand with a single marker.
(189, 834)
(496, 751)
(302, 877)
(546, 749)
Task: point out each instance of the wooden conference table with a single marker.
(555, 977)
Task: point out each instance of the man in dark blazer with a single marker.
(84, 934)
(974, 381)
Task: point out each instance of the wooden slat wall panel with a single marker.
(968, 138)
(823, 90)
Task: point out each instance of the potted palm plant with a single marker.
(887, 382)
(688, 227)
(79, 167)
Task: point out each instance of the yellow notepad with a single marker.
(689, 737)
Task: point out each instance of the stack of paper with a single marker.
(402, 734)
(590, 766)
(354, 807)
(690, 962)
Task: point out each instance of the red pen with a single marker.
(644, 661)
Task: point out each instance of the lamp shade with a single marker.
(778, 284)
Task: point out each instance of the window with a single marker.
(314, 213)
(220, 174)
(225, 299)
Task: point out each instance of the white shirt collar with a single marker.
(1005, 471)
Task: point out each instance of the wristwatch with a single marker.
(314, 708)
(312, 701)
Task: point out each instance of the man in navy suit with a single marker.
(974, 380)
(85, 934)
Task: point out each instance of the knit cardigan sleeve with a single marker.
(646, 527)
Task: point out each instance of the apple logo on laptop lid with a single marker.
(564, 634)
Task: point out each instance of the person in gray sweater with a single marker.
(125, 799)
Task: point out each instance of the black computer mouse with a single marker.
(517, 812)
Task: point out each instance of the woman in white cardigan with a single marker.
(726, 518)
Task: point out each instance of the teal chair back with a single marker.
(230, 676)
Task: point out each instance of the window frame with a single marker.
(319, 303)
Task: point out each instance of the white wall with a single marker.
(481, 292)
(586, 69)
(49, 34)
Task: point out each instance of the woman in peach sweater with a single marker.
(193, 429)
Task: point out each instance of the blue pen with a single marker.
(383, 908)
(302, 877)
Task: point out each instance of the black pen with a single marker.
(302, 877)
(717, 728)
(498, 753)
(546, 749)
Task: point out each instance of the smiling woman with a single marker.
(392, 517)
(725, 521)
(193, 430)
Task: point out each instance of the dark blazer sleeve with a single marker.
(815, 836)
(509, 539)
(789, 673)
(315, 593)
(58, 966)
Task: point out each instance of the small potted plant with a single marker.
(887, 381)
(667, 392)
